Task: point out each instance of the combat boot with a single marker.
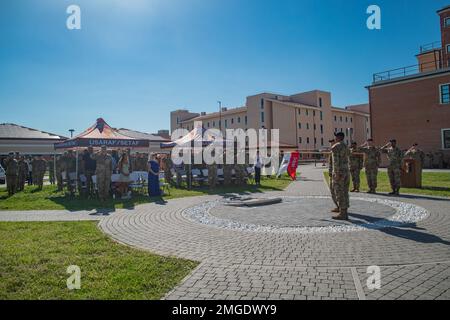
(335, 210)
(342, 215)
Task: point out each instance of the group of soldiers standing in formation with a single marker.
(19, 169)
(346, 163)
(240, 173)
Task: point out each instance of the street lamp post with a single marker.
(71, 132)
(220, 115)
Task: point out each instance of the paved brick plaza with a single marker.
(255, 264)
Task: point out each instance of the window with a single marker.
(262, 103)
(335, 118)
(299, 139)
(340, 118)
(307, 112)
(226, 123)
(207, 124)
(351, 119)
(321, 130)
(335, 129)
(307, 126)
(262, 116)
(214, 123)
(346, 119)
(314, 126)
(232, 120)
(315, 141)
(445, 93)
(299, 125)
(320, 102)
(448, 48)
(321, 115)
(314, 113)
(341, 130)
(299, 111)
(307, 140)
(245, 120)
(239, 119)
(447, 22)
(446, 138)
(321, 142)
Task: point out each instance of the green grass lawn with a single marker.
(34, 257)
(50, 199)
(433, 184)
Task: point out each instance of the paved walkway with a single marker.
(414, 259)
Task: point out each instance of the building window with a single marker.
(321, 142)
(245, 120)
(226, 123)
(307, 126)
(262, 103)
(341, 130)
(315, 141)
(320, 102)
(321, 115)
(307, 140)
(340, 118)
(239, 119)
(299, 125)
(314, 113)
(262, 116)
(335, 118)
(447, 22)
(346, 119)
(446, 138)
(232, 120)
(214, 123)
(445, 93)
(207, 124)
(307, 112)
(351, 119)
(335, 129)
(321, 130)
(299, 139)
(299, 111)
(314, 126)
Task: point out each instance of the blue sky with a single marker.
(134, 61)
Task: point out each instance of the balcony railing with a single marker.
(407, 71)
(430, 46)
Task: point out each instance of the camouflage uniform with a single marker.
(330, 174)
(34, 170)
(356, 164)
(41, 168)
(439, 160)
(51, 171)
(22, 174)
(12, 170)
(167, 170)
(71, 167)
(372, 160)
(212, 175)
(395, 157)
(228, 174)
(241, 174)
(341, 174)
(60, 168)
(103, 172)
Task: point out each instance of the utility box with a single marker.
(411, 175)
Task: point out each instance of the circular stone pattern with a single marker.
(308, 214)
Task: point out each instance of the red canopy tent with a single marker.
(97, 135)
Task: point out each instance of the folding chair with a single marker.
(163, 184)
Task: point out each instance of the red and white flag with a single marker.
(293, 164)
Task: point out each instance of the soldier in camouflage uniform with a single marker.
(60, 168)
(330, 174)
(103, 172)
(22, 174)
(34, 170)
(372, 161)
(212, 175)
(356, 164)
(12, 170)
(168, 177)
(228, 174)
(41, 167)
(51, 171)
(341, 175)
(438, 160)
(71, 167)
(395, 157)
(418, 155)
(241, 174)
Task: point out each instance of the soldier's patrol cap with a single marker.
(11, 153)
(392, 140)
(339, 134)
(354, 143)
(415, 144)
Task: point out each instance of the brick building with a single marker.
(412, 104)
(306, 120)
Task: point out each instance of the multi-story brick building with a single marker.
(306, 120)
(412, 104)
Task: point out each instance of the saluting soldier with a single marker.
(330, 174)
(372, 161)
(12, 170)
(167, 169)
(103, 171)
(356, 164)
(395, 157)
(60, 168)
(341, 175)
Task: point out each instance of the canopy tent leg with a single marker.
(54, 166)
(76, 170)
